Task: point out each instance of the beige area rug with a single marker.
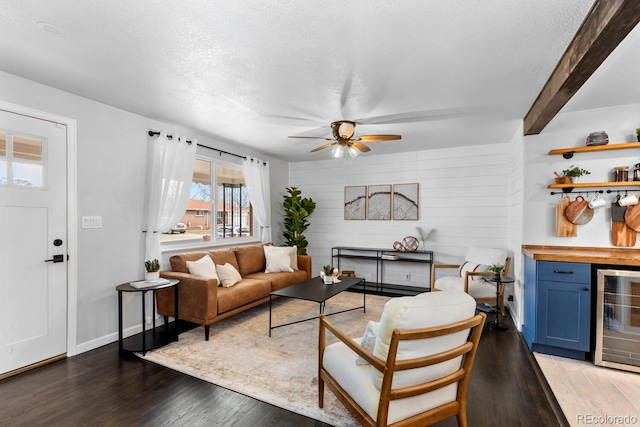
(281, 370)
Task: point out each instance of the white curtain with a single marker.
(170, 164)
(256, 176)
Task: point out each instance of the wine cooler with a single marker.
(618, 320)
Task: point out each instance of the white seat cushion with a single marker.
(476, 289)
(340, 362)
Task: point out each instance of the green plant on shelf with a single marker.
(575, 172)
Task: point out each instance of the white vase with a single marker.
(328, 280)
(151, 276)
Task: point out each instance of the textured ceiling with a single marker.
(440, 72)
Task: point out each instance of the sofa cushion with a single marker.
(203, 267)
(278, 259)
(368, 340)
(471, 267)
(251, 259)
(243, 292)
(179, 262)
(228, 275)
(280, 280)
(223, 256)
(482, 289)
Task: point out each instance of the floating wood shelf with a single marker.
(596, 184)
(568, 153)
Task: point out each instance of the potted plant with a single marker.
(574, 172)
(297, 210)
(497, 269)
(638, 134)
(153, 270)
(327, 274)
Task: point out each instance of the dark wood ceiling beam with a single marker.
(606, 25)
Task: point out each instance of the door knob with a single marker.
(56, 258)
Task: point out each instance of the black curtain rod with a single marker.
(170, 137)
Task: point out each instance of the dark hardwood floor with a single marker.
(100, 388)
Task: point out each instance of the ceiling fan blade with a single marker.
(322, 147)
(360, 146)
(377, 138)
(313, 137)
(417, 116)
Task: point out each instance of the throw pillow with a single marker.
(368, 340)
(472, 267)
(228, 275)
(278, 259)
(203, 267)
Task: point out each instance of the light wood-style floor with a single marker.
(587, 393)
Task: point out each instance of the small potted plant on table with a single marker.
(327, 274)
(153, 270)
(497, 270)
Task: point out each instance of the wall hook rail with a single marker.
(578, 192)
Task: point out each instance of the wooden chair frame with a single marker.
(469, 275)
(391, 365)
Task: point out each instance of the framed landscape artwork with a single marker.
(405, 201)
(355, 202)
(379, 202)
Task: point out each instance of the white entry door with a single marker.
(33, 241)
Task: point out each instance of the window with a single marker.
(21, 161)
(218, 215)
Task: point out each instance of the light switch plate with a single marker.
(91, 222)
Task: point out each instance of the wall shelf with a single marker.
(596, 184)
(568, 153)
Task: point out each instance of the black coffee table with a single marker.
(315, 290)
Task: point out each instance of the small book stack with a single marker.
(390, 257)
(148, 283)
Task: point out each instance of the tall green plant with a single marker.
(297, 210)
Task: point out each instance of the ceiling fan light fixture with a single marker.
(346, 129)
(337, 151)
(353, 152)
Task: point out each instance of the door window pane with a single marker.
(3, 145)
(27, 148)
(27, 174)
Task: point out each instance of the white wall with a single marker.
(464, 198)
(571, 130)
(111, 149)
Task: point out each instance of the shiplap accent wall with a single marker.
(464, 199)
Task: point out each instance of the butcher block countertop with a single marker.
(616, 256)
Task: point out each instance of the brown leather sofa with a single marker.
(203, 302)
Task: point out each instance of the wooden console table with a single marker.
(382, 256)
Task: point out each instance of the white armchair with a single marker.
(414, 369)
(469, 275)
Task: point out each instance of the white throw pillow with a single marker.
(228, 275)
(368, 340)
(203, 267)
(473, 268)
(278, 259)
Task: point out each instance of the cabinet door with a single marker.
(564, 314)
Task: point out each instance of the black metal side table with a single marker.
(147, 340)
(500, 281)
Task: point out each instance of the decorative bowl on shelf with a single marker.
(598, 138)
(563, 180)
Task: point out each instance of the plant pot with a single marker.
(328, 280)
(563, 180)
(151, 276)
(638, 138)
(496, 275)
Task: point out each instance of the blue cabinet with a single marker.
(557, 307)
